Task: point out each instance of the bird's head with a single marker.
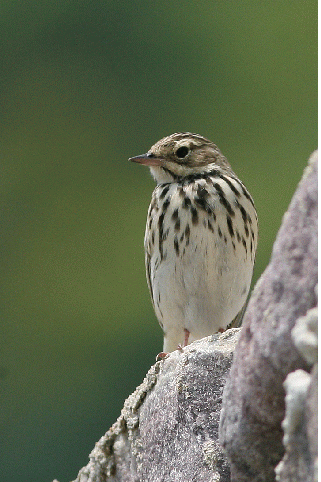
(180, 155)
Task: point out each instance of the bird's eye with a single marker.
(182, 152)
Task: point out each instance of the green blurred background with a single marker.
(84, 85)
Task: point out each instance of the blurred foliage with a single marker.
(85, 85)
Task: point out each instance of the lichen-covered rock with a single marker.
(253, 404)
(300, 425)
(168, 428)
(299, 463)
(305, 335)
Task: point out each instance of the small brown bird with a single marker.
(200, 240)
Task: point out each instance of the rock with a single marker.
(312, 423)
(300, 462)
(253, 403)
(168, 428)
(305, 335)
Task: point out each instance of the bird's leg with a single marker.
(187, 333)
(163, 355)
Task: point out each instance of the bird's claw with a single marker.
(161, 356)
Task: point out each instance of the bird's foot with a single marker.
(180, 347)
(187, 333)
(161, 356)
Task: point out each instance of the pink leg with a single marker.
(187, 333)
(163, 355)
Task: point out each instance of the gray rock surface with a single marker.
(300, 425)
(168, 428)
(254, 397)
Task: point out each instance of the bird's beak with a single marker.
(147, 160)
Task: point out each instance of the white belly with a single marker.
(203, 282)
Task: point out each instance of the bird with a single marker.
(200, 239)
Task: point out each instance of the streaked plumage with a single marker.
(200, 238)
